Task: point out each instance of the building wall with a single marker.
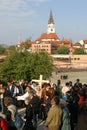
(70, 61)
(79, 61)
(50, 48)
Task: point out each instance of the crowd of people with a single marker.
(59, 107)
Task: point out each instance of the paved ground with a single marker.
(40, 125)
(72, 76)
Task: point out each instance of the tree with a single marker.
(24, 46)
(79, 51)
(25, 65)
(2, 49)
(62, 50)
(10, 49)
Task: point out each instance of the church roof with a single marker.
(49, 36)
(51, 20)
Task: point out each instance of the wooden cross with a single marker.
(40, 81)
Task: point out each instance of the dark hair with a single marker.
(48, 93)
(1, 82)
(9, 81)
(8, 101)
(56, 99)
(67, 83)
(77, 80)
(81, 93)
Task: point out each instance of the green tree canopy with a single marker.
(62, 50)
(79, 51)
(25, 65)
(26, 44)
(2, 49)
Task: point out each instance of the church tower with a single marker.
(51, 25)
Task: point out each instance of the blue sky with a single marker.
(29, 18)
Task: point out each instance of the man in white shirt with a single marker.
(64, 90)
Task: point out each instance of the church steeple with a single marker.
(51, 25)
(51, 20)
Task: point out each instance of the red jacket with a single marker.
(3, 124)
(81, 99)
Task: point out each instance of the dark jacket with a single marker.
(29, 117)
(35, 102)
(29, 113)
(82, 117)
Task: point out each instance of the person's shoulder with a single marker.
(2, 115)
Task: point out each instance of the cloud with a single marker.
(39, 0)
(17, 3)
(21, 8)
(14, 8)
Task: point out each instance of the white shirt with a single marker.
(65, 89)
(23, 97)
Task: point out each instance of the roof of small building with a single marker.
(66, 41)
(77, 44)
(85, 41)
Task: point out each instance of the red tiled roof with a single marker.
(66, 41)
(49, 36)
(77, 44)
(30, 43)
(85, 41)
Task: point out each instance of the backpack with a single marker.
(18, 121)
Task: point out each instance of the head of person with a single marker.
(9, 82)
(67, 84)
(27, 101)
(31, 95)
(54, 86)
(28, 89)
(62, 103)
(8, 101)
(1, 84)
(38, 88)
(55, 100)
(48, 86)
(77, 80)
(47, 94)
